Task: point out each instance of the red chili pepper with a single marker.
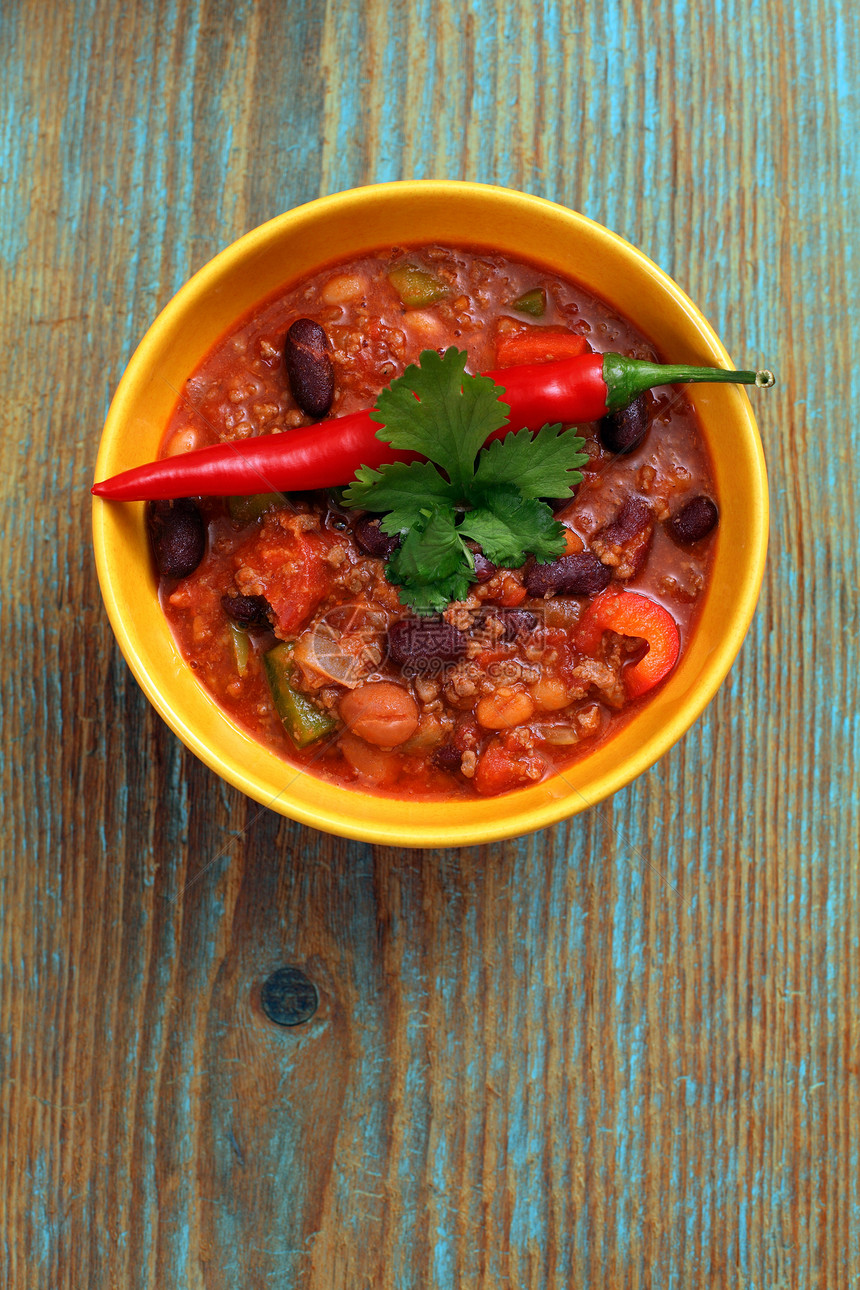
(632, 614)
(538, 345)
(567, 391)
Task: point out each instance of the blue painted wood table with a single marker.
(621, 1052)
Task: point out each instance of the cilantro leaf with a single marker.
(432, 545)
(451, 419)
(540, 465)
(401, 490)
(433, 597)
(432, 566)
(509, 526)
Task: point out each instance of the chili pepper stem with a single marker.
(627, 378)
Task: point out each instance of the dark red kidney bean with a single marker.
(622, 431)
(484, 568)
(633, 518)
(516, 622)
(372, 540)
(694, 521)
(177, 535)
(448, 757)
(580, 574)
(425, 640)
(249, 612)
(307, 358)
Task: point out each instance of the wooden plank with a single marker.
(623, 1051)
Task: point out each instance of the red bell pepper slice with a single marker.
(632, 614)
(539, 345)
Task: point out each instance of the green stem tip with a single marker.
(627, 378)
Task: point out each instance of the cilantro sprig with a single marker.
(464, 490)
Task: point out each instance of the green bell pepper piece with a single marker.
(416, 287)
(241, 647)
(303, 720)
(531, 302)
(246, 509)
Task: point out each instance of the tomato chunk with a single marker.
(512, 592)
(538, 345)
(502, 767)
(631, 614)
(293, 571)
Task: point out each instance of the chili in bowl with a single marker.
(402, 601)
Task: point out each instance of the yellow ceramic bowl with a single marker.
(331, 229)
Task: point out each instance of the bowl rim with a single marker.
(555, 807)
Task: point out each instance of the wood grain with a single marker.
(621, 1052)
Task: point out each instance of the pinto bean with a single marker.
(178, 536)
(425, 640)
(307, 358)
(580, 574)
(550, 694)
(248, 612)
(622, 431)
(380, 712)
(372, 540)
(694, 521)
(185, 439)
(379, 765)
(505, 709)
